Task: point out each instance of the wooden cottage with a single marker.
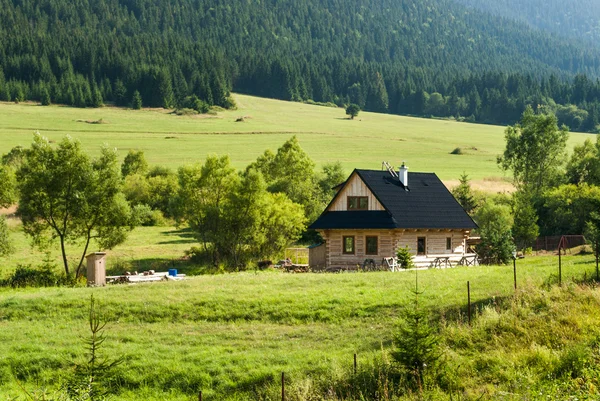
(376, 212)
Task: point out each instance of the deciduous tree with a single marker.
(66, 196)
(352, 110)
(584, 164)
(203, 196)
(535, 151)
(234, 217)
(495, 222)
(291, 171)
(134, 163)
(525, 229)
(7, 198)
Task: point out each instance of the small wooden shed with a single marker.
(317, 256)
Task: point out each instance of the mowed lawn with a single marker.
(224, 334)
(325, 133)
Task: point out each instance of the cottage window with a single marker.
(449, 243)
(348, 245)
(421, 246)
(371, 246)
(358, 203)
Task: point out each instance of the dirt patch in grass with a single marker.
(8, 211)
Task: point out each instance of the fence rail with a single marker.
(552, 243)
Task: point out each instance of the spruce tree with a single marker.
(45, 96)
(120, 93)
(416, 343)
(464, 194)
(96, 96)
(136, 102)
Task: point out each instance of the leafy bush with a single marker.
(457, 151)
(143, 215)
(6, 246)
(42, 276)
(229, 103)
(405, 258)
(495, 221)
(185, 112)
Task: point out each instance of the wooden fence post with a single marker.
(354, 363)
(597, 273)
(282, 386)
(559, 267)
(469, 301)
(515, 271)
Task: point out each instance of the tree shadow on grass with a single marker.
(181, 236)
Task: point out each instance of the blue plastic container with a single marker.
(173, 272)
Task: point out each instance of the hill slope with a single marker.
(578, 19)
(324, 132)
(384, 55)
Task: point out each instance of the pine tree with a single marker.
(45, 96)
(464, 194)
(416, 343)
(96, 96)
(136, 102)
(120, 93)
(165, 89)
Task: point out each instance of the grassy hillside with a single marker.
(324, 132)
(234, 334)
(231, 335)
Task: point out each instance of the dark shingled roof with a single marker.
(426, 203)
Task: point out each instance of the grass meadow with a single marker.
(324, 132)
(232, 334)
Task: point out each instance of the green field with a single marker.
(324, 132)
(156, 248)
(232, 334)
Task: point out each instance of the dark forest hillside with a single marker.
(423, 57)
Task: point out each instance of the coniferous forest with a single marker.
(419, 57)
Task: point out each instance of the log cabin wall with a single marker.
(388, 243)
(355, 187)
(386, 246)
(435, 241)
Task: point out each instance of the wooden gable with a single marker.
(355, 186)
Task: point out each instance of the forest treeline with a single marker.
(431, 57)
